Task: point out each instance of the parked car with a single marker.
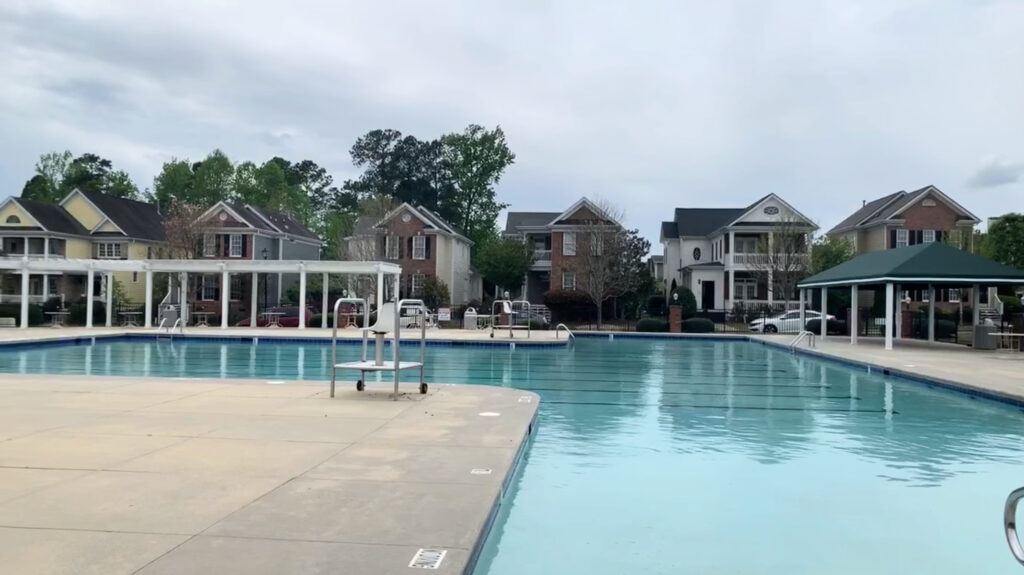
(289, 317)
(536, 318)
(788, 322)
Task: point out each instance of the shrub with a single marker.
(945, 328)
(536, 324)
(434, 293)
(652, 325)
(52, 304)
(567, 305)
(698, 325)
(35, 313)
(686, 300)
(1011, 304)
(834, 327)
(656, 305)
(76, 313)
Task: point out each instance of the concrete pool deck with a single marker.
(111, 475)
(1000, 373)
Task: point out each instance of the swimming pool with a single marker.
(656, 456)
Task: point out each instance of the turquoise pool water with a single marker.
(693, 456)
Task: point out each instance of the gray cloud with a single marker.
(653, 106)
(997, 172)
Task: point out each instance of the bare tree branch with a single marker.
(782, 258)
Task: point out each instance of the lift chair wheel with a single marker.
(360, 385)
(423, 388)
(492, 336)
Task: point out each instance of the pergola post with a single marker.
(90, 277)
(324, 302)
(803, 311)
(302, 297)
(931, 312)
(184, 298)
(888, 315)
(898, 312)
(380, 288)
(976, 304)
(24, 294)
(46, 287)
(148, 320)
(254, 297)
(853, 314)
(110, 299)
(824, 316)
(225, 298)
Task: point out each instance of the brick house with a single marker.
(909, 218)
(424, 245)
(554, 237)
(233, 231)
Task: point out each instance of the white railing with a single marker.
(31, 256)
(542, 255)
(761, 259)
(16, 298)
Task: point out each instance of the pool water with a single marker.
(723, 457)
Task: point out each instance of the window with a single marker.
(417, 284)
(391, 244)
(901, 238)
(696, 254)
(568, 243)
(928, 236)
(597, 244)
(746, 289)
(209, 246)
(135, 277)
(853, 242)
(108, 250)
(419, 247)
(13, 220)
(236, 246)
(53, 287)
(210, 287)
(746, 245)
(236, 288)
(569, 280)
(954, 295)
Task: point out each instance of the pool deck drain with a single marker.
(112, 475)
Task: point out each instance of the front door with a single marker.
(707, 295)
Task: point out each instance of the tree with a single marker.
(213, 180)
(183, 231)
(39, 188)
(120, 185)
(57, 175)
(608, 258)
(505, 262)
(88, 173)
(1006, 240)
(403, 168)
(434, 293)
(781, 260)
(829, 251)
(53, 167)
(174, 182)
(475, 161)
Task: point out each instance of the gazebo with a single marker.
(931, 265)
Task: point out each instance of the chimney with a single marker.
(863, 203)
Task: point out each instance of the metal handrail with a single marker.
(809, 335)
(512, 313)
(422, 309)
(1010, 523)
(562, 326)
(334, 332)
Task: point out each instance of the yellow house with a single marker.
(40, 230)
(118, 228)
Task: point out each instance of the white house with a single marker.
(714, 251)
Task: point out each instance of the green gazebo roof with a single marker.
(923, 263)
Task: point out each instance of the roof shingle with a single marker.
(136, 219)
(53, 217)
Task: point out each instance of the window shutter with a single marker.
(938, 236)
(892, 239)
(409, 246)
(245, 241)
(427, 250)
(401, 247)
(226, 243)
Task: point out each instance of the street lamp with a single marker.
(265, 253)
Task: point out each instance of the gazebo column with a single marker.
(931, 312)
(898, 312)
(976, 303)
(803, 311)
(302, 297)
(380, 288)
(824, 315)
(853, 314)
(24, 293)
(254, 297)
(148, 320)
(225, 298)
(888, 315)
(324, 302)
(183, 303)
(90, 277)
(110, 299)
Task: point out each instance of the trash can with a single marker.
(983, 338)
(469, 319)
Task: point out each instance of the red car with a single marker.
(289, 317)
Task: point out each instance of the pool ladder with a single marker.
(1010, 523)
(563, 327)
(808, 335)
(170, 331)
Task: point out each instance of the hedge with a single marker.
(651, 324)
(76, 313)
(698, 325)
(834, 327)
(35, 313)
(686, 300)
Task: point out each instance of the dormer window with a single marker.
(12, 219)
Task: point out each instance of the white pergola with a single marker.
(90, 267)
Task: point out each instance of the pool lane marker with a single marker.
(276, 382)
(428, 559)
(480, 471)
(489, 414)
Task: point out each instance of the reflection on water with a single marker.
(651, 454)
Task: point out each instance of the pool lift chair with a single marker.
(511, 309)
(389, 316)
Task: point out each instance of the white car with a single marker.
(788, 322)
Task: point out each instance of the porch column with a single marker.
(184, 298)
(89, 278)
(110, 299)
(26, 245)
(853, 314)
(976, 303)
(732, 249)
(803, 312)
(898, 312)
(380, 288)
(254, 296)
(931, 312)
(888, 315)
(24, 294)
(302, 297)
(46, 287)
(732, 288)
(225, 298)
(148, 319)
(324, 302)
(771, 272)
(46, 250)
(280, 276)
(824, 306)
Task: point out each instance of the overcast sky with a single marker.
(652, 105)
